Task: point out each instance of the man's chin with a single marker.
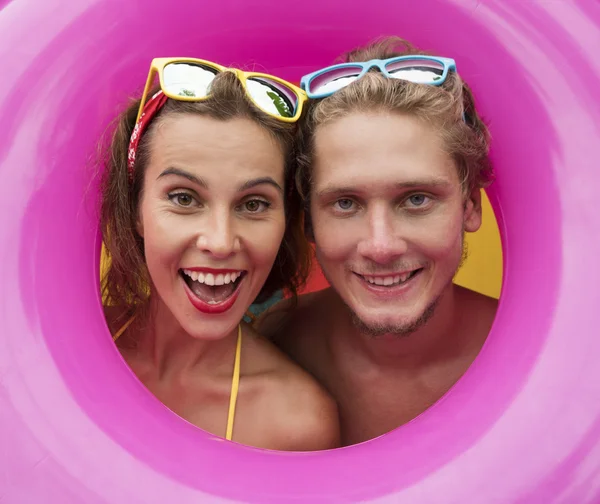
(377, 327)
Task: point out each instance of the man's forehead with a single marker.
(385, 171)
(359, 128)
(381, 143)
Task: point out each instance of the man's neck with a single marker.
(438, 339)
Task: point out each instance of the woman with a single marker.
(199, 221)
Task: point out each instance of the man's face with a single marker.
(388, 215)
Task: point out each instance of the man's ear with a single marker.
(472, 216)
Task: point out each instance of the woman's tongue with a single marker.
(212, 294)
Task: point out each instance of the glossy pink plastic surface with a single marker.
(522, 426)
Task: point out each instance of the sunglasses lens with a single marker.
(272, 97)
(331, 80)
(188, 79)
(420, 71)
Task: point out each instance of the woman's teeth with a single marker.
(212, 279)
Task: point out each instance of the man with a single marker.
(392, 170)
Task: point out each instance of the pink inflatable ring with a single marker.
(523, 425)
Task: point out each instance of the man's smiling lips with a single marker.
(388, 278)
(389, 284)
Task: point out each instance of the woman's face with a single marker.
(212, 218)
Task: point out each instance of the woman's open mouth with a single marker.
(210, 290)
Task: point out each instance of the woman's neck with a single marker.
(170, 350)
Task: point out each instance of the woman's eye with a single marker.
(182, 199)
(417, 200)
(344, 204)
(256, 206)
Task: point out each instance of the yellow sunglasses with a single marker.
(189, 79)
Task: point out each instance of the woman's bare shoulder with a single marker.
(289, 403)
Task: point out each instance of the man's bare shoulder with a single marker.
(476, 298)
(292, 317)
(480, 308)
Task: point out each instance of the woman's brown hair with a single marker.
(126, 281)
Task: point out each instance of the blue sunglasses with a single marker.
(419, 69)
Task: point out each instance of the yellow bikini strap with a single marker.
(119, 333)
(235, 385)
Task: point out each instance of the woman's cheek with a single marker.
(264, 240)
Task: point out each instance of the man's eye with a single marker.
(344, 204)
(417, 200)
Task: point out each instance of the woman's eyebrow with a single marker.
(259, 181)
(185, 174)
(202, 183)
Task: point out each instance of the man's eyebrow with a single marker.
(333, 190)
(430, 182)
(178, 172)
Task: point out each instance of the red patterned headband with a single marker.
(150, 110)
